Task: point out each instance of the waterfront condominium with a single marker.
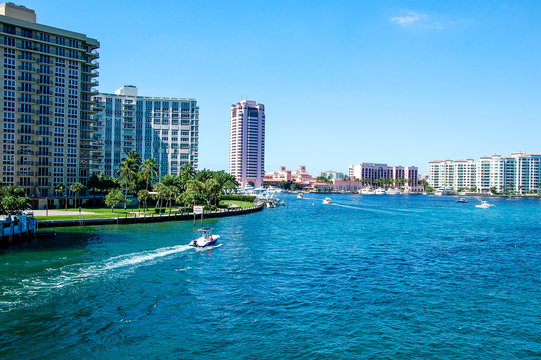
(166, 129)
(368, 172)
(247, 143)
(48, 76)
(519, 173)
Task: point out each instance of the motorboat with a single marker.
(327, 201)
(484, 205)
(380, 191)
(444, 191)
(206, 239)
(367, 191)
(393, 191)
(300, 196)
(462, 200)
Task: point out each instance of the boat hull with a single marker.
(201, 242)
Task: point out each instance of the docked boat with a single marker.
(484, 205)
(327, 201)
(300, 196)
(444, 191)
(206, 239)
(462, 200)
(393, 191)
(380, 191)
(367, 191)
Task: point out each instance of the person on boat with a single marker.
(210, 238)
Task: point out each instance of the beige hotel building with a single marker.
(47, 88)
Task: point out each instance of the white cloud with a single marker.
(411, 18)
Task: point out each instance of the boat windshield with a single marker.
(207, 232)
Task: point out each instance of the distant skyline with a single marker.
(398, 82)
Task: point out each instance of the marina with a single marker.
(373, 290)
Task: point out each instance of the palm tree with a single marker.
(75, 188)
(187, 172)
(149, 171)
(143, 195)
(13, 198)
(161, 190)
(128, 172)
(59, 189)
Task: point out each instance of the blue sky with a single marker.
(343, 82)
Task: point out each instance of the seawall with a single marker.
(137, 219)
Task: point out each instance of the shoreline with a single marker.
(135, 219)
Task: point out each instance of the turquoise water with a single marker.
(375, 277)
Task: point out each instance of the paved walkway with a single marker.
(60, 212)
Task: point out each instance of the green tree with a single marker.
(75, 188)
(187, 172)
(161, 191)
(149, 171)
(143, 195)
(113, 198)
(129, 166)
(59, 190)
(13, 198)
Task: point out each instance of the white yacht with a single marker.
(444, 191)
(393, 191)
(327, 201)
(367, 191)
(300, 196)
(380, 191)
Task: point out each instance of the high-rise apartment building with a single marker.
(518, 173)
(166, 129)
(48, 76)
(368, 172)
(247, 143)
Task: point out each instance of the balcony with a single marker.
(25, 173)
(94, 54)
(26, 132)
(25, 152)
(25, 163)
(26, 68)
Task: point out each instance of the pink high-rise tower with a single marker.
(247, 143)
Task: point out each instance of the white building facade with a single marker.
(166, 129)
(518, 173)
(247, 143)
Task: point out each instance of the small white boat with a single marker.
(300, 196)
(327, 200)
(206, 239)
(484, 205)
(462, 200)
(380, 191)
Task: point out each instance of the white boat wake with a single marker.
(77, 273)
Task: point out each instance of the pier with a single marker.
(17, 229)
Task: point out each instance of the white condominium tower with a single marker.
(247, 143)
(166, 129)
(519, 172)
(48, 76)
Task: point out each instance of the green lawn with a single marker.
(241, 204)
(98, 213)
(104, 213)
